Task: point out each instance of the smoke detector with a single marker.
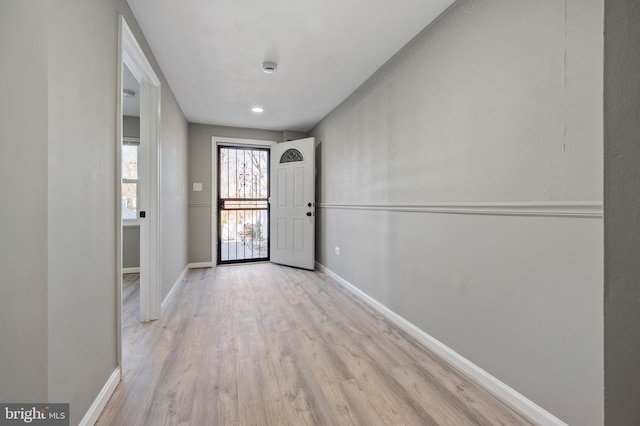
(269, 67)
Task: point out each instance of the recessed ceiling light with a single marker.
(257, 109)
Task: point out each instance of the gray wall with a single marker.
(131, 233)
(130, 246)
(61, 78)
(23, 209)
(495, 102)
(622, 204)
(289, 135)
(130, 126)
(174, 198)
(200, 171)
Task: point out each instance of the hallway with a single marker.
(264, 344)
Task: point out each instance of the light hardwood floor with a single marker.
(263, 344)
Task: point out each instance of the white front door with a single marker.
(293, 222)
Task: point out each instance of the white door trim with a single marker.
(215, 142)
(131, 54)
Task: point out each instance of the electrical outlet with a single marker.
(338, 251)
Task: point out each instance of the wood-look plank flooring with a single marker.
(130, 308)
(263, 344)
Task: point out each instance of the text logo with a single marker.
(40, 414)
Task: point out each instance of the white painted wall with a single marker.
(495, 102)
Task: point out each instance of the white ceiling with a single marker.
(211, 52)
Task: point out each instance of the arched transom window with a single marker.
(291, 155)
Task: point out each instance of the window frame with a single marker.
(132, 222)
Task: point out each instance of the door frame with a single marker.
(131, 54)
(215, 142)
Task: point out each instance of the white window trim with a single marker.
(128, 140)
(127, 222)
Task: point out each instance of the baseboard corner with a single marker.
(198, 265)
(93, 413)
(173, 290)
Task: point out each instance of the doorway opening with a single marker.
(138, 182)
(243, 204)
(129, 152)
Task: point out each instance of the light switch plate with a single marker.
(197, 186)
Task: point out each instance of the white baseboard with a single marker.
(91, 416)
(200, 265)
(131, 270)
(178, 282)
(173, 290)
(499, 389)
